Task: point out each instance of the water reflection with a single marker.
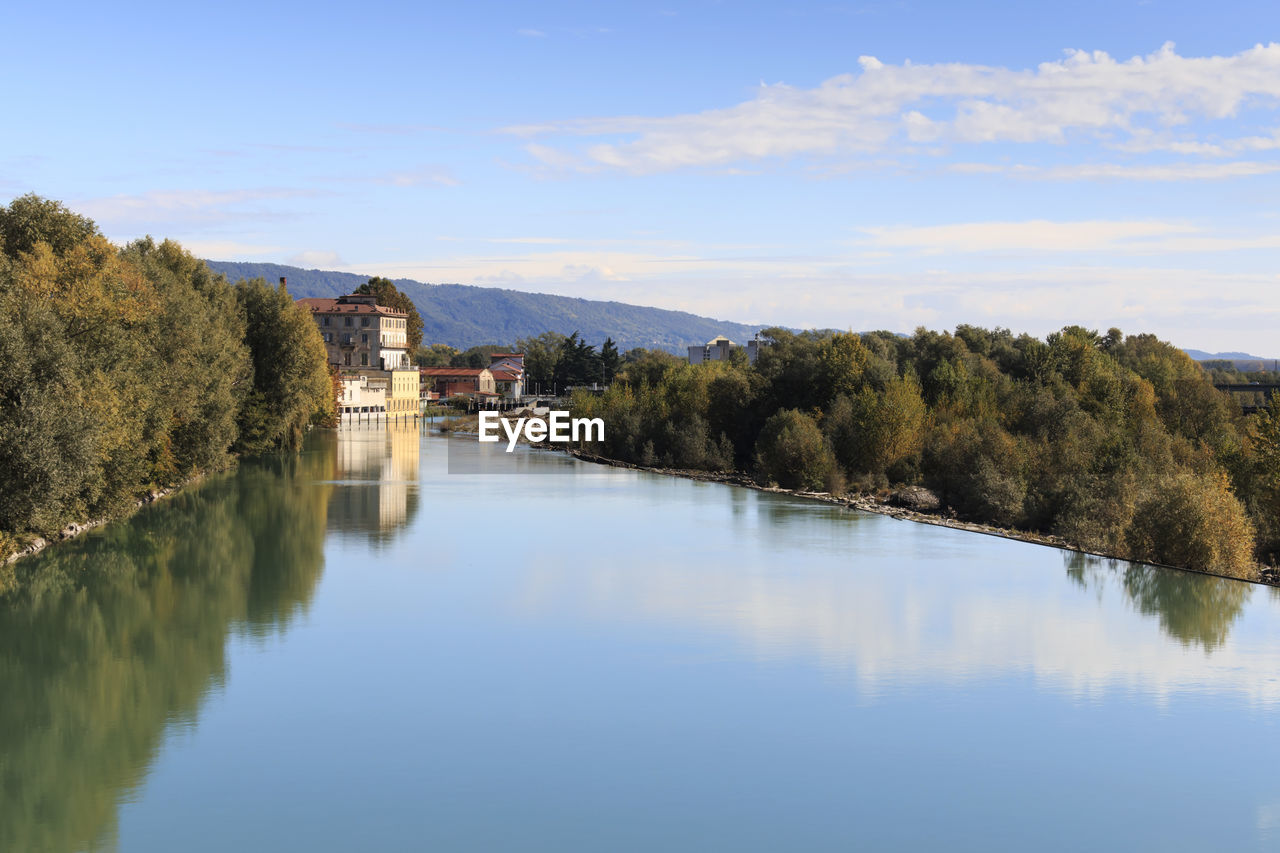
(108, 640)
(377, 464)
(1193, 609)
(886, 603)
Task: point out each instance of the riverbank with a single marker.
(881, 506)
(28, 545)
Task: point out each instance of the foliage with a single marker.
(436, 355)
(1118, 443)
(130, 369)
(1194, 520)
(793, 453)
(476, 357)
(388, 295)
(107, 640)
(291, 384)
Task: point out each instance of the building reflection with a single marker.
(376, 468)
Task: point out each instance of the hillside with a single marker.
(464, 316)
(1239, 360)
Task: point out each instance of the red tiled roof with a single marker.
(324, 305)
(505, 375)
(506, 355)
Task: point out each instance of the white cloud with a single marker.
(1038, 235)
(225, 250)
(170, 208)
(1085, 94)
(880, 629)
(1126, 171)
(429, 175)
(313, 259)
(1041, 235)
(902, 288)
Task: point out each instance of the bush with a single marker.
(793, 453)
(1194, 521)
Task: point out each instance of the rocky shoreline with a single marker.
(907, 504)
(39, 543)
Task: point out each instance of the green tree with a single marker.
(291, 386)
(793, 453)
(872, 431)
(388, 295)
(541, 355)
(842, 365)
(30, 220)
(610, 361)
(436, 355)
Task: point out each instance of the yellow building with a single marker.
(370, 395)
(402, 395)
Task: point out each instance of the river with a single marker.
(355, 649)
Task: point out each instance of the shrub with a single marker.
(793, 453)
(1194, 521)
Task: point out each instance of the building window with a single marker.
(346, 359)
(326, 321)
(364, 339)
(364, 359)
(364, 321)
(348, 323)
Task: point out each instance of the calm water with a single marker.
(355, 650)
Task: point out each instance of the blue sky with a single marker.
(864, 165)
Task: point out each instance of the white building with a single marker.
(719, 348)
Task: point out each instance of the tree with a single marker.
(291, 385)
(476, 357)
(388, 295)
(436, 355)
(871, 431)
(793, 453)
(577, 364)
(540, 357)
(610, 361)
(31, 219)
(842, 365)
(1193, 520)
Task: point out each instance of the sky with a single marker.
(817, 165)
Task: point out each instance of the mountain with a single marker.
(465, 316)
(1239, 360)
(1201, 355)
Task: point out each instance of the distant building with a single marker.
(358, 332)
(719, 348)
(364, 396)
(378, 394)
(402, 397)
(508, 373)
(457, 381)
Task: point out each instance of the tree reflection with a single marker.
(107, 640)
(1192, 608)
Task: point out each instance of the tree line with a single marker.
(1118, 443)
(132, 369)
(552, 361)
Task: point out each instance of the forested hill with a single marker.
(464, 316)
